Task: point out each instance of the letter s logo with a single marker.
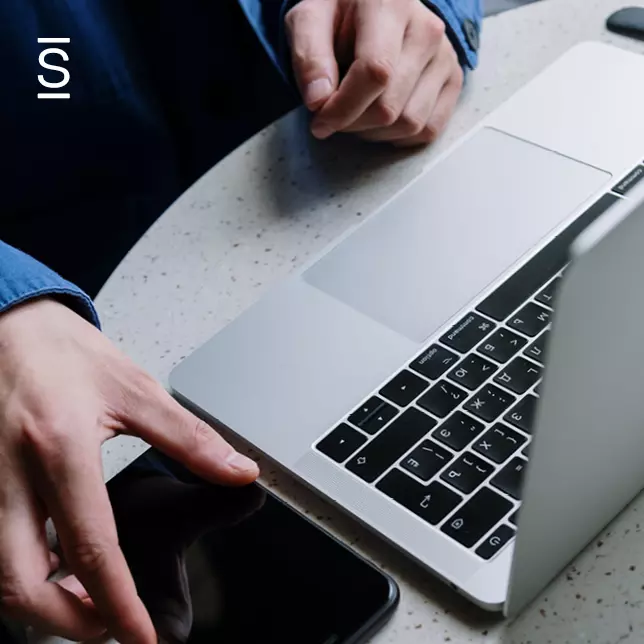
(42, 59)
(43, 63)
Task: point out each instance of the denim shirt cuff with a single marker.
(22, 278)
(455, 29)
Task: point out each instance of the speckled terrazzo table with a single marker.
(279, 200)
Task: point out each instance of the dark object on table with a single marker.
(627, 22)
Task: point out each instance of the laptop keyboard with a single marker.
(448, 436)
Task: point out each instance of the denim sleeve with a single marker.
(23, 278)
(462, 19)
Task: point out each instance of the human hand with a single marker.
(64, 390)
(402, 79)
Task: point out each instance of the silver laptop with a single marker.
(400, 374)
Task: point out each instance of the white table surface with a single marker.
(280, 199)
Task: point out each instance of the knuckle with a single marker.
(301, 12)
(386, 113)
(49, 436)
(140, 385)
(434, 27)
(429, 133)
(201, 435)
(291, 18)
(91, 555)
(411, 124)
(379, 71)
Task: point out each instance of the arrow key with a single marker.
(379, 419)
(341, 443)
(432, 503)
(404, 388)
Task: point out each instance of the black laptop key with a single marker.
(427, 459)
(499, 443)
(519, 375)
(467, 333)
(538, 347)
(467, 472)
(373, 415)
(495, 542)
(366, 410)
(390, 445)
(630, 180)
(341, 443)
(472, 372)
(432, 502)
(434, 362)
(547, 295)
(404, 388)
(514, 518)
(526, 451)
(502, 345)
(510, 478)
(522, 414)
(442, 398)
(489, 402)
(379, 419)
(543, 266)
(531, 319)
(458, 431)
(476, 517)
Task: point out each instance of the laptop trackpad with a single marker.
(427, 253)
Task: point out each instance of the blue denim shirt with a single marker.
(23, 21)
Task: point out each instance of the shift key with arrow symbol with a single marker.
(391, 444)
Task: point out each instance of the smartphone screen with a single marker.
(238, 566)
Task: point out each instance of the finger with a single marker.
(418, 110)
(421, 44)
(71, 482)
(160, 420)
(380, 32)
(73, 585)
(310, 27)
(54, 562)
(437, 122)
(25, 595)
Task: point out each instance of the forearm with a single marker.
(23, 278)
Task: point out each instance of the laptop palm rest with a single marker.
(454, 231)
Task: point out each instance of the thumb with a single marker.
(163, 423)
(310, 27)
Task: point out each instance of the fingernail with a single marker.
(242, 463)
(321, 130)
(317, 91)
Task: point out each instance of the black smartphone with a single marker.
(222, 565)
